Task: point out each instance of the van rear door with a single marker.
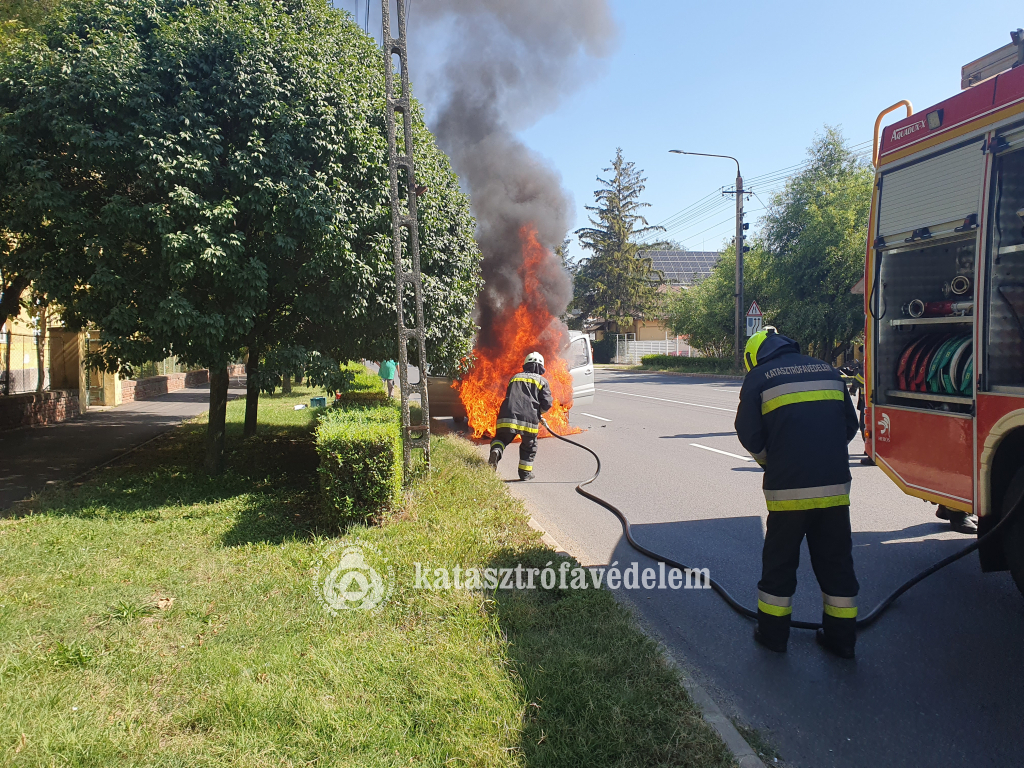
(581, 366)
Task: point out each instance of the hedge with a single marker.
(360, 449)
(694, 364)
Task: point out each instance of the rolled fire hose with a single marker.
(741, 609)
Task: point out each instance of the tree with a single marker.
(802, 264)
(706, 311)
(814, 237)
(213, 178)
(615, 283)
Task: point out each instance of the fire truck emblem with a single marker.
(883, 428)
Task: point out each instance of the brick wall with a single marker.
(155, 386)
(37, 408)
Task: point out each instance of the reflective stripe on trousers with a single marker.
(774, 605)
(839, 607)
(817, 497)
(801, 392)
(522, 426)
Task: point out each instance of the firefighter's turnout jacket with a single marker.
(796, 419)
(528, 397)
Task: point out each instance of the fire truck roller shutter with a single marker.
(940, 190)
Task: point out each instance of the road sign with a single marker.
(754, 319)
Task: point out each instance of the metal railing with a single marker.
(629, 351)
(24, 363)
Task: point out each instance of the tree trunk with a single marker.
(252, 391)
(41, 350)
(10, 298)
(286, 384)
(214, 462)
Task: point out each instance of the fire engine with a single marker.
(944, 301)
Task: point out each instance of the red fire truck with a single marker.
(944, 299)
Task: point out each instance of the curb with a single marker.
(745, 755)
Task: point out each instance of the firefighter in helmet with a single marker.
(527, 398)
(796, 419)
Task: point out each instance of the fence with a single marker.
(629, 351)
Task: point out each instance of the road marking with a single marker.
(666, 400)
(724, 453)
(599, 418)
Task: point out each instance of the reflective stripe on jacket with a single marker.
(528, 397)
(796, 419)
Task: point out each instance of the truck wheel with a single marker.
(1013, 540)
(458, 419)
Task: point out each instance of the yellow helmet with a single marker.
(754, 344)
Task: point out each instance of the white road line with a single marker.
(724, 453)
(599, 418)
(665, 400)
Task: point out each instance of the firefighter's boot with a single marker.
(837, 643)
(495, 456)
(772, 628)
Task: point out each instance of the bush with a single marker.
(360, 449)
(694, 364)
(364, 397)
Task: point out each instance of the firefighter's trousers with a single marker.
(831, 545)
(527, 449)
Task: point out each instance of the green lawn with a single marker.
(155, 616)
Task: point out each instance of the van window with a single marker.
(578, 354)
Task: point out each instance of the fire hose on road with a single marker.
(733, 603)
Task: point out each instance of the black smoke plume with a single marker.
(486, 69)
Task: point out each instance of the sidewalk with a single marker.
(32, 456)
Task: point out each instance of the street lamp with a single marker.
(739, 249)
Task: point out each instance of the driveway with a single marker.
(33, 456)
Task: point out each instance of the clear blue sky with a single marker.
(752, 79)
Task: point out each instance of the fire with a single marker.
(529, 328)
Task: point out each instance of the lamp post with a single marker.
(738, 294)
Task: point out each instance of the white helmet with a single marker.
(535, 357)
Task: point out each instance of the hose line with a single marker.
(741, 609)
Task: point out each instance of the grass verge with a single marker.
(156, 616)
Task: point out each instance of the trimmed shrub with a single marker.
(360, 470)
(693, 364)
(604, 350)
(364, 397)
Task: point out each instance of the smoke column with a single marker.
(486, 69)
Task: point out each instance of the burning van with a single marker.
(477, 397)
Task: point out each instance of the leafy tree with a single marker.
(705, 312)
(615, 283)
(813, 237)
(807, 256)
(210, 177)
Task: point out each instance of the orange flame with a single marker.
(529, 328)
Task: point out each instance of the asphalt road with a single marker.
(939, 680)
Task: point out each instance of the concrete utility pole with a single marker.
(738, 294)
(740, 312)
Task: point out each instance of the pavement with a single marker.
(33, 456)
(937, 681)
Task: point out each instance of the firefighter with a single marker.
(527, 398)
(796, 419)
